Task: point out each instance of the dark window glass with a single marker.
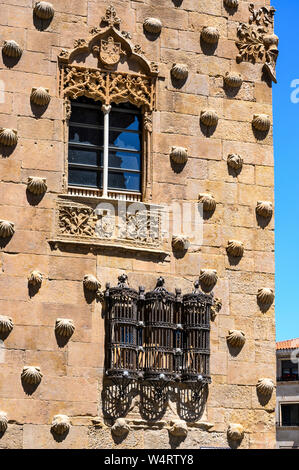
(80, 114)
(289, 370)
(124, 140)
(124, 180)
(124, 121)
(84, 156)
(126, 160)
(83, 177)
(83, 135)
(290, 415)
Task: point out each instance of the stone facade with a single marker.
(44, 240)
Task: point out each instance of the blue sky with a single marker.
(286, 152)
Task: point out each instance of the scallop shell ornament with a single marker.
(179, 154)
(179, 71)
(235, 248)
(6, 324)
(91, 283)
(35, 278)
(265, 296)
(40, 96)
(12, 49)
(3, 422)
(210, 35)
(236, 338)
(64, 327)
(208, 201)
(233, 79)
(231, 3)
(60, 424)
(37, 185)
(208, 277)
(264, 209)
(120, 427)
(8, 137)
(44, 10)
(179, 428)
(209, 118)
(261, 122)
(180, 243)
(152, 25)
(265, 387)
(235, 432)
(7, 229)
(31, 375)
(235, 161)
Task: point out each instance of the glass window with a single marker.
(289, 370)
(290, 414)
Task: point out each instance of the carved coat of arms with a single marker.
(110, 51)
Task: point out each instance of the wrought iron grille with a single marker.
(157, 336)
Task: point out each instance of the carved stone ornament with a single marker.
(261, 122)
(110, 51)
(35, 278)
(265, 296)
(233, 79)
(31, 375)
(264, 209)
(91, 283)
(44, 10)
(180, 71)
(8, 137)
(210, 35)
(40, 96)
(235, 432)
(152, 25)
(12, 49)
(120, 428)
(180, 243)
(208, 277)
(179, 154)
(235, 248)
(235, 161)
(256, 41)
(3, 422)
(231, 3)
(6, 324)
(209, 118)
(178, 428)
(61, 424)
(64, 327)
(37, 185)
(215, 308)
(208, 201)
(265, 387)
(236, 338)
(7, 229)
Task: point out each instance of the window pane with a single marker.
(124, 120)
(86, 115)
(124, 180)
(83, 135)
(80, 177)
(128, 161)
(84, 156)
(125, 140)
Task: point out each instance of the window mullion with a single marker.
(106, 110)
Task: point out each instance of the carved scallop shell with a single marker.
(265, 296)
(231, 3)
(179, 428)
(8, 137)
(208, 202)
(180, 242)
(12, 49)
(120, 427)
(179, 154)
(236, 338)
(31, 375)
(3, 422)
(265, 387)
(91, 283)
(233, 79)
(210, 34)
(44, 10)
(180, 71)
(261, 122)
(209, 118)
(60, 424)
(64, 327)
(235, 248)
(152, 25)
(208, 277)
(7, 229)
(35, 278)
(264, 209)
(6, 324)
(40, 96)
(235, 432)
(37, 185)
(235, 161)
